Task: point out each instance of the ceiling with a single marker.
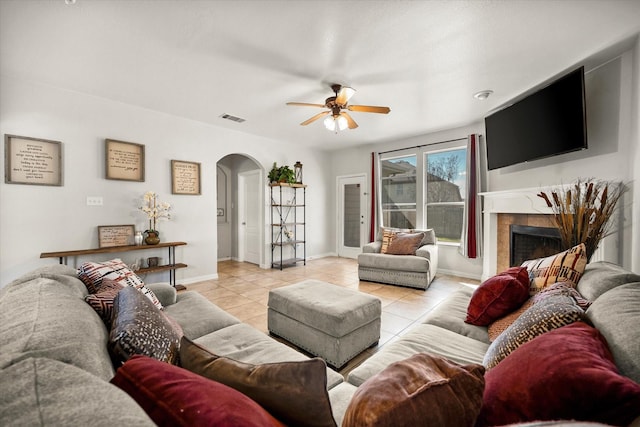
(202, 59)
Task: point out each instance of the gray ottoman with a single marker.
(326, 320)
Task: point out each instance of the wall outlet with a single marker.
(94, 201)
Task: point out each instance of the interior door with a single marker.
(352, 208)
(249, 217)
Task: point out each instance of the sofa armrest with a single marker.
(372, 248)
(429, 252)
(167, 294)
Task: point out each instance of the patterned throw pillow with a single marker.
(500, 325)
(550, 313)
(387, 238)
(93, 274)
(139, 327)
(102, 301)
(405, 244)
(565, 266)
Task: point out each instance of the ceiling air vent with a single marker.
(232, 118)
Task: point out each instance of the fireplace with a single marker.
(531, 242)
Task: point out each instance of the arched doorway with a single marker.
(240, 209)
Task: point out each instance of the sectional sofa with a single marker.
(55, 368)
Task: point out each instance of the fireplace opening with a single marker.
(530, 242)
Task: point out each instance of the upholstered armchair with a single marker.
(404, 267)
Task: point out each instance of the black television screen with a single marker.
(550, 121)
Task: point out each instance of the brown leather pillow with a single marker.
(421, 390)
(293, 392)
(405, 244)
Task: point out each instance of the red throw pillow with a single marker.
(498, 296)
(173, 396)
(564, 374)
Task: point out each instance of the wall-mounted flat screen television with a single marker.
(548, 122)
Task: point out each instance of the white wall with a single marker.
(35, 219)
(612, 93)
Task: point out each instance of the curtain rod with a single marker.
(423, 145)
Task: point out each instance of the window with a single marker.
(398, 188)
(445, 189)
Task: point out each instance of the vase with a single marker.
(138, 238)
(152, 238)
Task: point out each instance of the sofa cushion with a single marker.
(567, 373)
(405, 244)
(423, 338)
(420, 390)
(543, 316)
(93, 273)
(293, 392)
(247, 344)
(450, 314)
(46, 392)
(197, 315)
(498, 295)
(564, 266)
(616, 314)
(601, 276)
(173, 396)
(43, 317)
(394, 262)
(140, 328)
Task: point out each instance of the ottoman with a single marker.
(326, 320)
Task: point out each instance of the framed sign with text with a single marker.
(124, 160)
(115, 235)
(185, 177)
(32, 161)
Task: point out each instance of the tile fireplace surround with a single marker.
(522, 207)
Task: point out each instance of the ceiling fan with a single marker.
(336, 118)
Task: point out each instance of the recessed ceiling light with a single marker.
(70, 1)
(482, 95)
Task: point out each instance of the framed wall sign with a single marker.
(115, 235)
(124, 160)
(185, 177)
(32, 161)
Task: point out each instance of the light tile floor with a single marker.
(242, 289)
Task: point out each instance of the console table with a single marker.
(171, 267)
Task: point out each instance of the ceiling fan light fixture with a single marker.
(335, 123)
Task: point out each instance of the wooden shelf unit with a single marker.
(171, 267)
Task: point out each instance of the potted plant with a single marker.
(155, 211)
(281, 174)
(274, 173)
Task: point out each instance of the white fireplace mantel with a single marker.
(522, 201)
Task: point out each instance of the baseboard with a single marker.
(197, 279)
(446, 272)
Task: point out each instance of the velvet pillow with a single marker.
(568, 374)
(498, 296)
(138, 327)
(405, 244)
(293, 392)
(548, 314)
(565, 266)
(173, 396)
(421, 390)
(93, 274)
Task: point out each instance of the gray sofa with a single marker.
(415, 271)
(55, 368)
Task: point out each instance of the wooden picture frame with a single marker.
(32, 161)
(124, 161)
(116, 235)
(185, 177)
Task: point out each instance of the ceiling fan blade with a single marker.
(368, 109)
(351, 123)
(314, 118)
(305, 104)
(344, 95)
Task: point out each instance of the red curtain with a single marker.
(471, 242)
